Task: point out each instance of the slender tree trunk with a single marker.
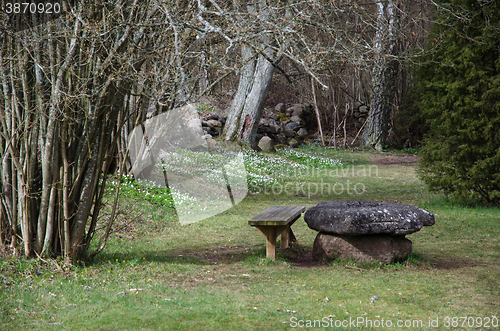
(384, 76)
(5, 165)
(62, 92)
(316, 110)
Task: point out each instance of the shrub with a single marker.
(461, 101)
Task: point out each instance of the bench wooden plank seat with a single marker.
(274, 221)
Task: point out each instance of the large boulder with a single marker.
(266, 144)
(214, 124)
(293, 126)
(354, 218)
(367, 248)
(288, 132)
(194, 124)
(280, 107)
(293, 143)
(302, 133)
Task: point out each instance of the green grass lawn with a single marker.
(155, 274)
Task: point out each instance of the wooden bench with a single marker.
(274, 221)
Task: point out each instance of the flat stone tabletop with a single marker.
(355, 218)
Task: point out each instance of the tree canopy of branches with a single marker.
(461, 92)
(317, 37)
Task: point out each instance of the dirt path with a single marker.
(392, 159)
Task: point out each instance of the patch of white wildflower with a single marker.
(311, 160)
(212, 168)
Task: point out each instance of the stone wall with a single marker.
(284, 125)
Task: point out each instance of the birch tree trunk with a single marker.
(384, 75)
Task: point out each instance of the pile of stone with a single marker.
(282, 125)
(213, 123)
(365, 231)
(359, 116)
(285, 126)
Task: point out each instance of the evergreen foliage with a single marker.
(461, 101)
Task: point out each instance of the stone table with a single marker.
(365, 230)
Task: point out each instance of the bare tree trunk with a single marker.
(254, 103)
(384, 76)
(316, 110)
(255, 81)
(6, 195)
(60, 99)
(202, 72)
(246, 109)
(244, 87)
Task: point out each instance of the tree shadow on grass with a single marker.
(206, 255)
(297, 256)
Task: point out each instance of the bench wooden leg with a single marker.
(271, 243)
(291, 237)
(271, 232)
(287, 237)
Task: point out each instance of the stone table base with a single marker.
(365, 248)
